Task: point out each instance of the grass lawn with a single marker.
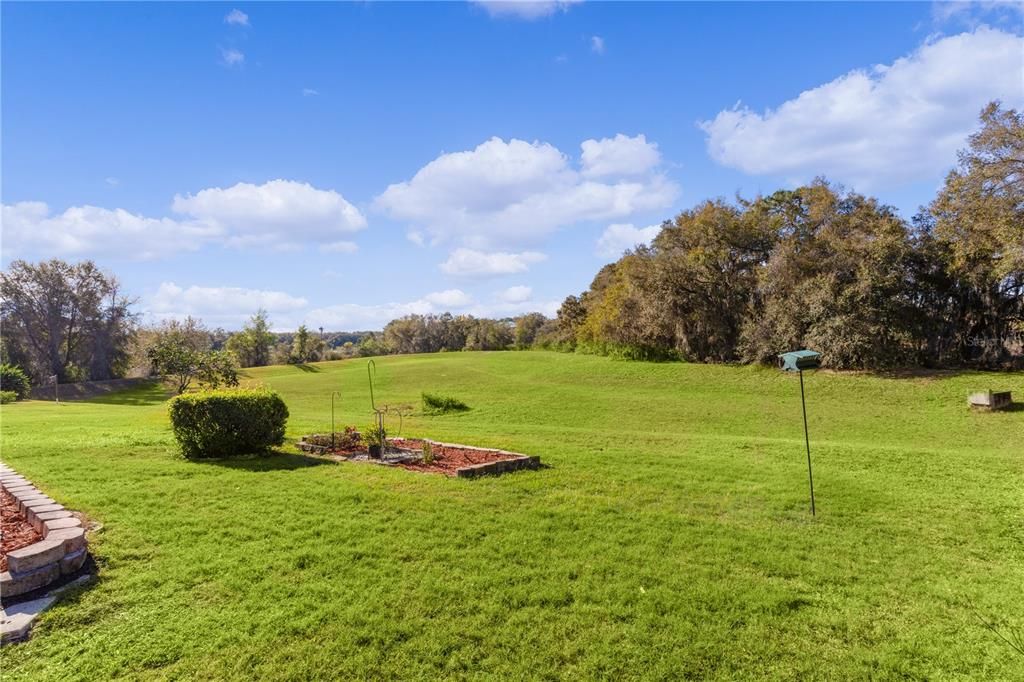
(670, 537)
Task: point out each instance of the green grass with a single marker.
(670, 537)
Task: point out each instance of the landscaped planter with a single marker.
(57, 548)
(451, 459)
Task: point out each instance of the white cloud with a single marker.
(112, 181)
(309, 92)
(449, 298)
(355, 316)
(619, 155)
(511, 193)
(340, 247)
(622, 236)
(971, 13)
(415, 237)
(525, 9)
(276, 214)
(231, 57)
(227, 307)
(231, 307)
(237, 17)
(901, 122)
(597, 44)
(29, 229)
(517, 294)
(471, 263)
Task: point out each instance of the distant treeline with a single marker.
(726, 281)
(835, 271)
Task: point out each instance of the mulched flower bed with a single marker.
(15, 530)
(448, 459)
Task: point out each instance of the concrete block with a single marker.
(39, 520)
(72, 562)
(73, 538)
(59, 524)
(22, 493)
(40, 499)
(11, 586)
(41, 506)
(34, 556)
(16, 621)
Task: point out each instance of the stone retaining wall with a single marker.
(62, 550)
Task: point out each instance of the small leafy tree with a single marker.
(180, 351)
(218, 368)
(253, 345)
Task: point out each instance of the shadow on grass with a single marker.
(151, 393)
(995, 375)
(309, 368)
(275, 461)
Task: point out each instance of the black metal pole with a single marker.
(807, 441)
(334, 393)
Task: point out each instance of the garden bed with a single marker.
(15, 530)
(450, 459)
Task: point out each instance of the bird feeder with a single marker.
(798, 361)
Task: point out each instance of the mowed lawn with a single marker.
(668, 539)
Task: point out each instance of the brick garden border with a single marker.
(62, 551)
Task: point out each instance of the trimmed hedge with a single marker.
(228, 422)
(13, 378)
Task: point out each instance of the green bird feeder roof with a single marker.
(797, 360)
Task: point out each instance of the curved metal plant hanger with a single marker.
(380, 412)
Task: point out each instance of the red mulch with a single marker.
(447, 460)
(15, 530)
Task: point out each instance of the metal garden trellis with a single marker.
(383, 410)
(333, 430)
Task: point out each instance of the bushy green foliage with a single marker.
(181, 351)
(253, 344)
(342, 440)
(441, 404)
(14, 379)
(7, 397)
(68, 319)
(224, 423)
(820, 267)
(374, 434)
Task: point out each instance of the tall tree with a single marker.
(63, 319)
(254, 343)
(837, 280)
(977, 223)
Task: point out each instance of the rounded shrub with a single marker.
(13, 378)
(7, 397)
(228, 422)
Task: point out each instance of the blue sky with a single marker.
(343, 164)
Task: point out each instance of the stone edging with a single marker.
(518, 461)
(62, 550)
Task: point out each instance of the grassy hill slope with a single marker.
(670, 536)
